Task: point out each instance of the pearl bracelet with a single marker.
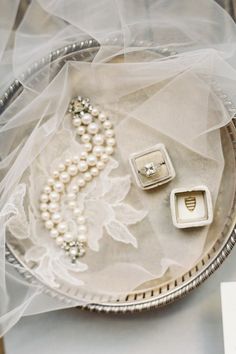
(97, 137)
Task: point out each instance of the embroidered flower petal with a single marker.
(103, 181)
(35, 253)
(111, 165)
(119, 189)
(17, 223)
(120, 232)
(97, 213)
(44, 271)
(62, 273)
(126, 214)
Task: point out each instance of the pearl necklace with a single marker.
(97, 137)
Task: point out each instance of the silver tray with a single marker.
(157, 293)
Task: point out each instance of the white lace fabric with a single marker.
(103, 204)
(151, 98)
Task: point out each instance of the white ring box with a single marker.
(191, 207)
(152, 167)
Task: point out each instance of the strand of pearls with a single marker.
(98, 139)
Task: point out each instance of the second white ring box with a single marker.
(191, 207)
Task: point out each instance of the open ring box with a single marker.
(152, 167)
(191, 207)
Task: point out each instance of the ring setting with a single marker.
(150, 169)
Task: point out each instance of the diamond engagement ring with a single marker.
(152, 167)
